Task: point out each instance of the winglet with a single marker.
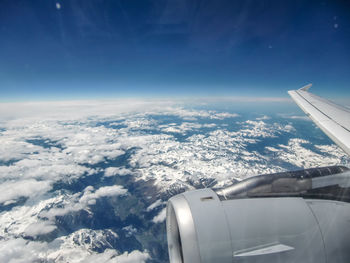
(306, 88)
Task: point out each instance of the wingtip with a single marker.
(306, 88)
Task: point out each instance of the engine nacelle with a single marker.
(205, 226)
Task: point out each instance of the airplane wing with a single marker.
(334, 120)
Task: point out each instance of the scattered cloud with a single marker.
(40, 228)
(121, 171)
(160, 217)
(134, 256)
(105, 191)
(185, 127)
(63, 143)
(21, 251)
(79, 202)
(12, 190)
(63, 250)
(129, 230)
(264, 117)
(294, 117)
(155, 204)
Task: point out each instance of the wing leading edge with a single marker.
(334, 120)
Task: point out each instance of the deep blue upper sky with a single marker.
(112, 48)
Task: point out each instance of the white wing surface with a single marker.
(333, 119)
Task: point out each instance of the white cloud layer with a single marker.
(24, 251)
(48, 144)
(39, 228)
(12, 190)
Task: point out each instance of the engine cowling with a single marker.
(206, 226)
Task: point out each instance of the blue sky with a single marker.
(73, 49)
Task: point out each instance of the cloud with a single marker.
(271, 149)
(294, 117)
(21, 251)
(218, 153)
(12, 190)
(20, 219)
(160, 217)
(182, 128)
(111, 256)
(40, 167)
(130, 230)
(154, 205)
(142, 123)
(40, 228)
(112, 171)
(134, 256)
(92, 145)
(258, 129)
(224, 115)
(264, 117)
(193, 115)
(79, 201)
(16, 113)
(67, 143)
(79, 247)
(15, 150)
(105, 191)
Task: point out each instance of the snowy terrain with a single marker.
(88, 181)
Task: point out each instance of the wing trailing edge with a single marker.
(332, 119)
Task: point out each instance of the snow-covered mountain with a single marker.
(88, 181)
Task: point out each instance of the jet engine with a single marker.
(300, 216)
